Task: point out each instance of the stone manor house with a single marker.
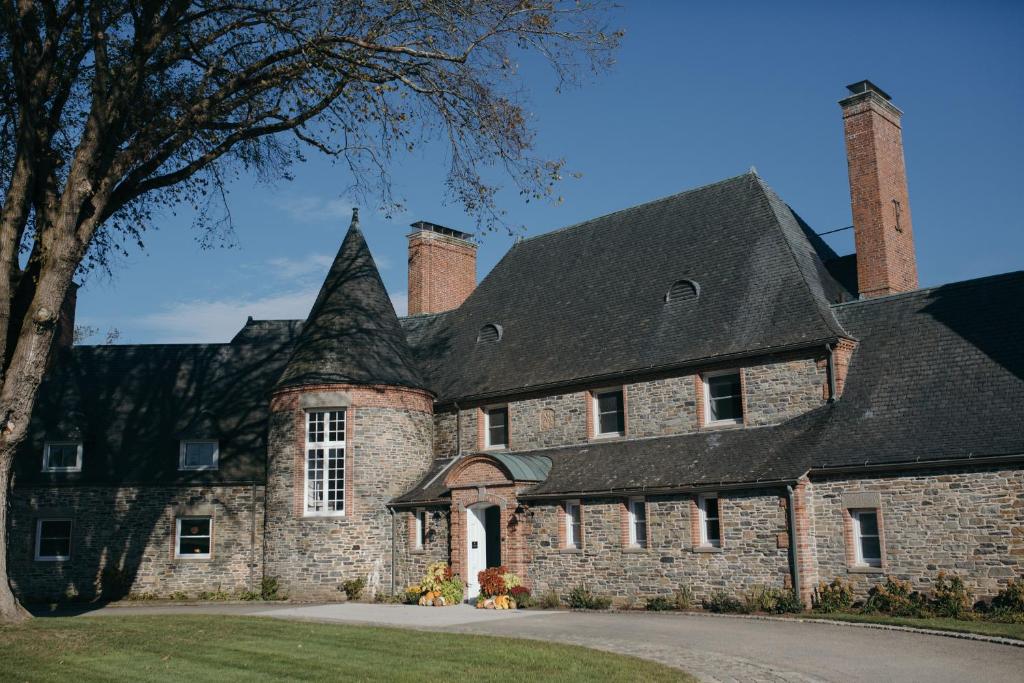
(694, 391)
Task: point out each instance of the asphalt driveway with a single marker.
(712, 648)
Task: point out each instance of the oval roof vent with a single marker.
(489, 333)
(682, 290)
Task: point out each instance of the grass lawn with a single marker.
(216, 648)
(985, 628)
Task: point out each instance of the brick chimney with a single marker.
(878, 192)
(442, 268)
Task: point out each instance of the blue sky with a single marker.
(700, 92)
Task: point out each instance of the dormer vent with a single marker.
(489, 334)
(682, 290)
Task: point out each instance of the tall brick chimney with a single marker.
(878, 192)
(442, 268)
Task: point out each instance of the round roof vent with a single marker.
(682, 290)
(489, 333)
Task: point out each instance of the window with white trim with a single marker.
(198, 455)
(325, 463)
(193, 537)
(496, 427)
(710, 528)
(53, 540)
(573, 525)
(62, 456)
(637, 523)
(866, 538)
(723, 397)
(421, 529)
(609, 413)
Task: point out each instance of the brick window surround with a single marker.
(852, 504)
(590, 398)
(695, 530)
(626, 520)
(700, 388)
(563, 535)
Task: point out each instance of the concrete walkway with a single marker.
(712, 648)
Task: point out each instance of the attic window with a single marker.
(490, 333)
(682, 290)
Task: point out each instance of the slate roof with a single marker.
(131, 404)
(938, 376)
(588, 301)
(352, 334)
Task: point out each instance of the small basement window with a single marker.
(62, 456)
(198, 455)
(490, 333)
(53, 540)
(682, 290)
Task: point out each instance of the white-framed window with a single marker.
(723, 397)
(62, 456)
(867, 540)
(573, 525)
(53, 540)
(609, 413)
(325, 463)
(637, 523)
(421, 529)
(198, 455)
(496, 427)
(710, 527)
(193, 537)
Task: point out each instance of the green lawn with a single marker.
(215, 648)
(986, 628)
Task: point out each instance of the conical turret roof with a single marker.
(352, 334)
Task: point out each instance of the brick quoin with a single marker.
(879, 199)
(442, 272)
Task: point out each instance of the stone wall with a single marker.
(123, 539)
(750, 554)
(775, 392)
(553, 420)
(964, 521)
(412, 561)
(389, 449)
(662, 407)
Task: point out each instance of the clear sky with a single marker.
(700, 92)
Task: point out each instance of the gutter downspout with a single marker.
(831, 370)
(394, 556)
(252, 538)
(793, 551)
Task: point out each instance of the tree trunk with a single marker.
(11, 610)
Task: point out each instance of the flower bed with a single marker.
(501, 589)
(438, 588)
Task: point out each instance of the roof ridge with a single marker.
(926, 290)
(674, 195)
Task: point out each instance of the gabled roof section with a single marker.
(352, 334)
(588, 302)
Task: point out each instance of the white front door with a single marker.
(476, 549)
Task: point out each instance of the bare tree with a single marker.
(112, 110)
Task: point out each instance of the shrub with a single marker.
(787, 602)
(950, 597)
(492, 581)
(896, 599)
(683, 597)
(248, 596)
(550, 600)
(511, 581)
(581, 597)
(216, 596)
(353, 588)
(722, 602)
(270, 588)
(412, 595)
(833, 597)
(1008, 604)
(522, 596)
(660, 603)
(437, 574)
(179, 595)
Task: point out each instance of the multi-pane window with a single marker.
(867, 540)
(497, 427)
(637, 523)
(325, 462)
(421, 529)
(198, 455)
(609, 413)
(723, 397)
(193, 536)
(62, 456)
(53, 539)
(710, 528)
(573, 530)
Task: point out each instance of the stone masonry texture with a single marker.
(968, 522)
(412, 562)
(123, 540)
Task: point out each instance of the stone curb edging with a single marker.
(963, 635)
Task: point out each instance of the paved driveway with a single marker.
(712, 648)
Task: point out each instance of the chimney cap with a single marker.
(427, 226)
(864, 86)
